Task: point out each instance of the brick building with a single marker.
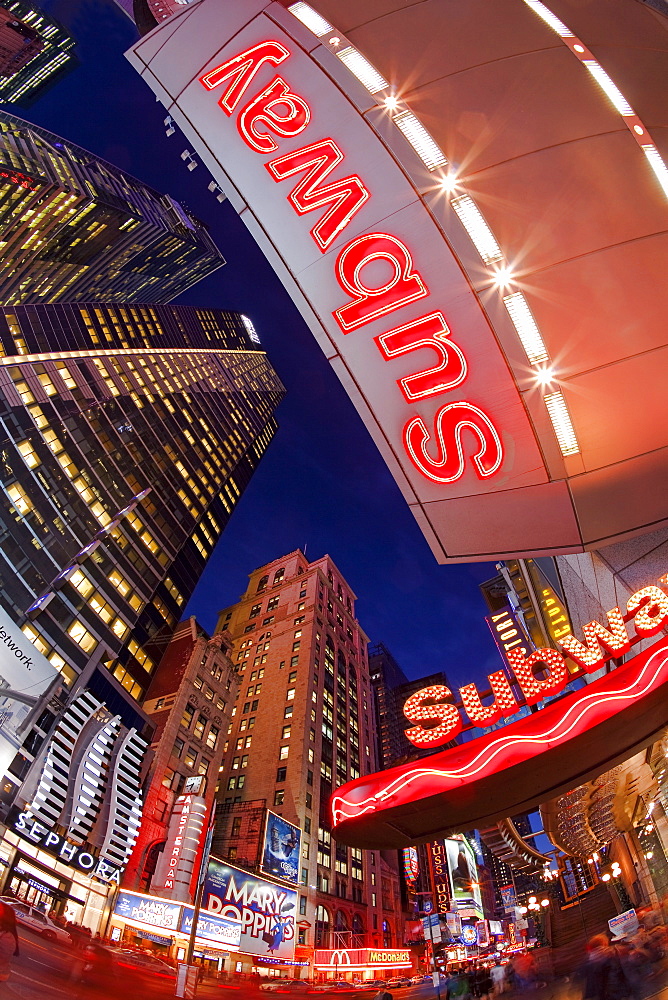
(303, 724)
(190, 702)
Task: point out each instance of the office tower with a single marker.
(125, 449)
(75, 228)
(302, 725)
(189, 702)
(19, 43)
(392, 690)
(148, 13)
(386, 676)
(35, 51)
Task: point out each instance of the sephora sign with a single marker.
(514, 768)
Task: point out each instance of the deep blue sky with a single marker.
(322, 483)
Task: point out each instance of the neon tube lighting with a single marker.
(572, 718)
(475, 225)
(551, 19)
(561, 422)
(527, 328)
(314, 21)
(360, 67)
(610, 89)
(420, 139)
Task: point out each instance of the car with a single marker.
(286, 986)
(334, 986)
(34, 920)
(398, 982)
(144, 967)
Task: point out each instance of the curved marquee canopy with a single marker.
(468, 204)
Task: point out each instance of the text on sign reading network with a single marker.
(277, 111)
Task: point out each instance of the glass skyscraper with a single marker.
(128, 435)
(75, 228)
(50, 52)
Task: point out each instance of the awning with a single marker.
(154, 937)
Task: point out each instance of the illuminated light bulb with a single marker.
(503, 276)
(648, 829)
(639, 129)
(335, 40)
(532, 899)
(614, 639)
(391, 103)
(651, 618)
(449, 183)
(523, 909)
(544, 902)
(605, 878)
(579, 48)
(650, 808)
(544, 376)
(649, 854)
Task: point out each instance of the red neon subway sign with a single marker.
(461, 434)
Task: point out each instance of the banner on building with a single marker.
(264, 911)
(508, 897)
(282, 849)
(25, 675)
(411, 865)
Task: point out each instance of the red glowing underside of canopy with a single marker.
(510, 769)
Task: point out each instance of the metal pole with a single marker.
(200, 889)
(433, 959)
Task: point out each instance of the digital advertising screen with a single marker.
(463, 874)
(282, 849)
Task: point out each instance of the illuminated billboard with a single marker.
(24, 675)
(463, 874)
(282, 849)
(264, 911)
(492, 305)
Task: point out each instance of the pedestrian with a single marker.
(9, 940)
(383, 994)
(601, 973)
(498, 974)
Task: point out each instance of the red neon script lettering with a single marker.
(240, 71)
(450, 462)
(345, 197)
(265, 110)
(428, 331)
(405, 284)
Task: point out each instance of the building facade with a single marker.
(35, 51)
(120, 468)
(302, 725)
(75, 228)
(189, 702)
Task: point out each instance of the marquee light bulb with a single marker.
(391, 103)
(605, 878)
(544, 902)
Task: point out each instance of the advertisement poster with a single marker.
(147, 910)
(264, 911)
(509, 898)
(411, 865)
(210, 928)
(483, 933)
(463, 874)
(282, 848)
(24, 676)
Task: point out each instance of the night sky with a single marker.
(322, 484)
